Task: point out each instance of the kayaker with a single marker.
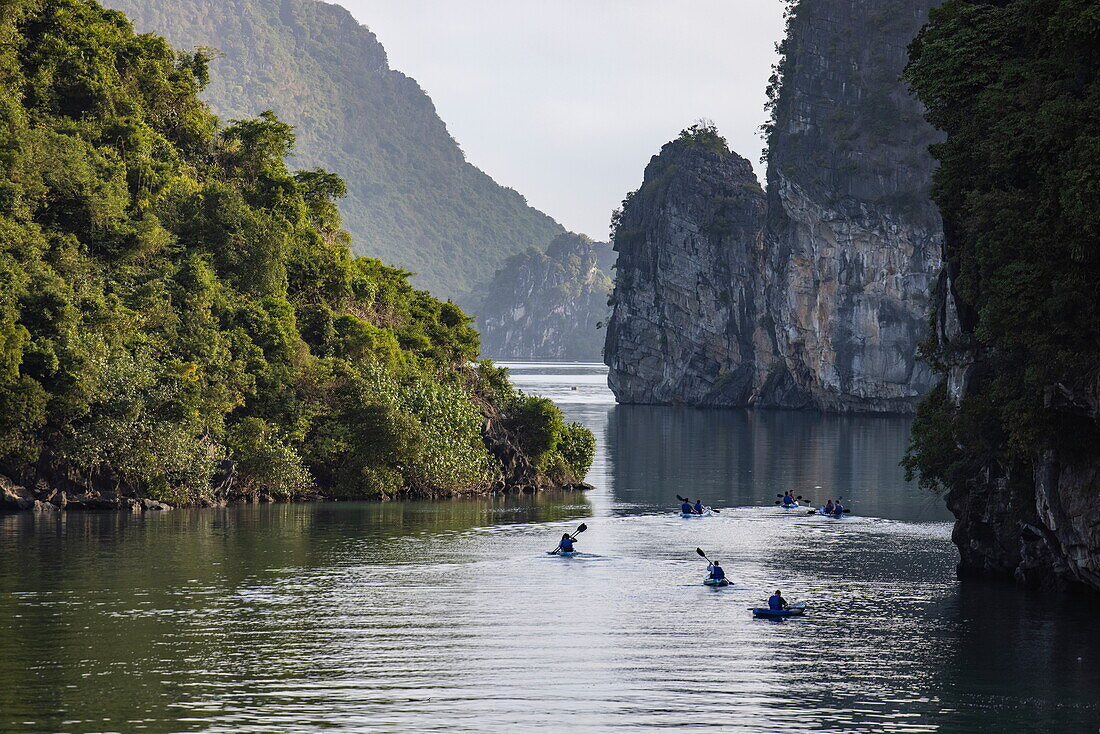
(838, 508)
(698, 509)
(776, 601)
(566, 544)
(788, 499)
(716, 571)
(830, 508)
(686, 508)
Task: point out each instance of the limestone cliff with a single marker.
(1012, 432)
(853, 236)
(688, 284)
(549, 305)
(818, 298)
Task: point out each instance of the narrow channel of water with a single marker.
(450, 615)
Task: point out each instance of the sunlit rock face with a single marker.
(853, 240)
(817, 295)
(688, 283)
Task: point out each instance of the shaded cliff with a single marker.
(549, 305)
(1012, 432)
(413, 199)
(823, 304)
(688, 282)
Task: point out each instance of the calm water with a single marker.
(450, 616)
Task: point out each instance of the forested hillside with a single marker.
(413, 200)
(181, 316)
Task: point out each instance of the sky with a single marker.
(566, 100)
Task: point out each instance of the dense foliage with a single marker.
(173, 296)
(413, 199)
(1015, 86)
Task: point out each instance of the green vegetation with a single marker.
(174, 297)
(1015, 86)
(704, 134)
(413, 199)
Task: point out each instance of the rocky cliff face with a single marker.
(549, 305)
(1036, 521)
(685, 324)
(829, 296)
(853, 236)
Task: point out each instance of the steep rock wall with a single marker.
(823, 306)
(549, 305)
(853, 237)
(685, 321)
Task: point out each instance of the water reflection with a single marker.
(450, 615)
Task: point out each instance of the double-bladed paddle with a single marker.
(580, 529)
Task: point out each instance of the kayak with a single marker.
(692, 514)
(821, 511)
(764, 613)
(790, 507)
(716, 582)
(562, 553)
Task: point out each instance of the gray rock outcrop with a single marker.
(688, 283)
(820, 298)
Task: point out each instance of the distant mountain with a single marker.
(413, 199)
(549, 305)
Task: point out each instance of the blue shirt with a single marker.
(567, 545)
(716, 572)
(776, 601)
(788, 500)
(685, 508)
(698, 509)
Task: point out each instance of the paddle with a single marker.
(580, 529)
(685, 499)
(704, 555)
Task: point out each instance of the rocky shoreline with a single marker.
(15, 498)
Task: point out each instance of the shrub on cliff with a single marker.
(174, 296)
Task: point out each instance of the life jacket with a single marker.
(567, 545)
(686, 508)
(716, 572)
(698, 509)
(775, 602)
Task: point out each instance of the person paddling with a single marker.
(686, 508)
(566, 544)
(830, 508)
(776, 601)
(716, 572)
(698, 508)
(838, 508)
(788, 499)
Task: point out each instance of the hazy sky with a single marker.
(566, 100)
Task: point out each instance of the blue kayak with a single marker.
(716, 582)
(821, 511)
(562, 553)
(692, 514)
(790, 507)
(764, 613)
